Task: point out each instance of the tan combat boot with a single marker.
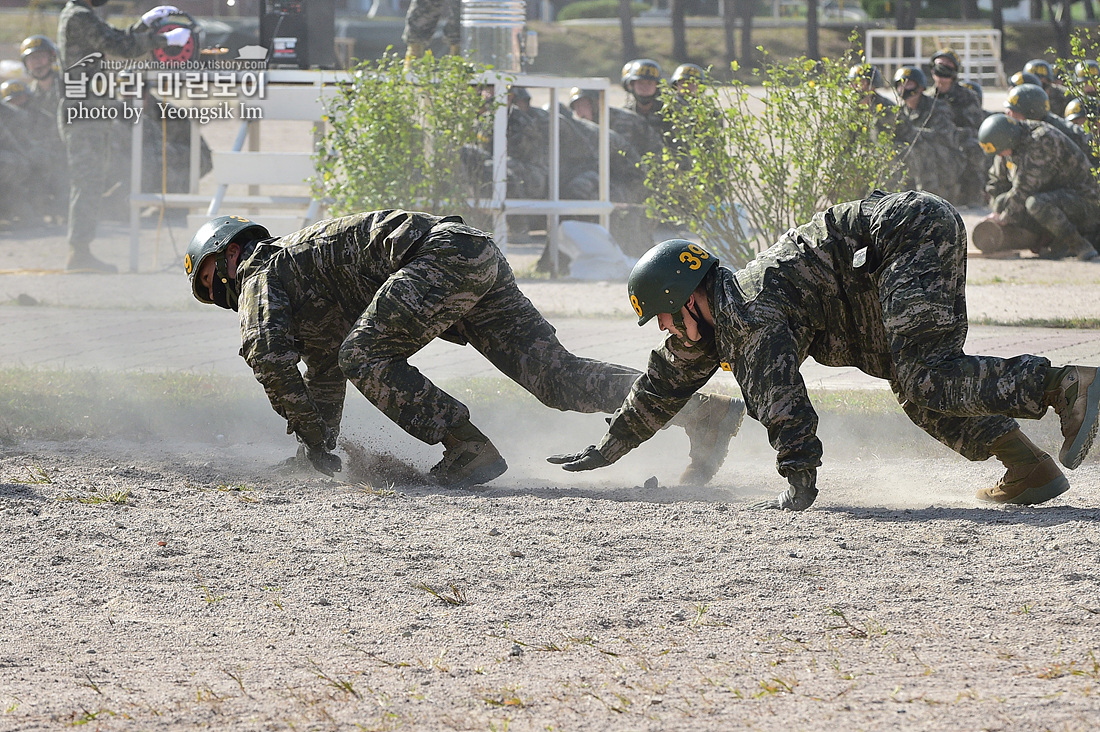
(1075, 396)
(413, 52)
(1031, 476)
(710, 421)
(468, 459)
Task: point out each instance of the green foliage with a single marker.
(743, 169)
(395, 139)
(598, 9)
(1084, 44)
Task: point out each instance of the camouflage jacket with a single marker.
(304, 292)
(1074, 132)
(931, 120)
(1056, 93)
(814, 293)
(966, 110)
(640, 134)
(1045, 160)
(47, 99)
(81, 32)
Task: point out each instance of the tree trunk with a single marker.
(970, 10)
(746, 8)
(998, 20)
(906, 19)
(626, 21)
(729, 22)
(679, 33)
(1061, 17)
(1035, 12)
(1090, 11)
(812, 28)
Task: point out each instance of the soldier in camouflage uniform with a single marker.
(926, 128)
(48, 186)
(877, 284)
(1047, 184)
(968, 115)
(353, 298)
(83, 38)
(421, 20)
(1028, 101)
(39, 55)
(1047, 79)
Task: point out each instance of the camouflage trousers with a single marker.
(965, 402)
(87, 143)
(423, 17)
(460, 287)
(1062, 213)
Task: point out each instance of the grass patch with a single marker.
(63, 405)
(118, 497)
(1075, 323)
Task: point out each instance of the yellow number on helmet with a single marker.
(989, 147)
(187, 263)
(698, 250)
(692, 261)
(241, 218)
(637, 307)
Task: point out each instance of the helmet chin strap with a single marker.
(645, 100)
(223, 289)
(706, 330)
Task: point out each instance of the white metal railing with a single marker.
(979, 51)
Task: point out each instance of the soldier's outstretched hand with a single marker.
(588, 459)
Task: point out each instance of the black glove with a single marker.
(798, 497)
(321, 459)
(589, 459)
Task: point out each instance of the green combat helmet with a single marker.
(665, 276)
(999, 133)
(866, 72)
(687, 72)
(640, 68)
(1087, 71)
(1040, 68)
(1029, 100)
(213, 239)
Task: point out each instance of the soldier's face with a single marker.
(38, 63)
(1013, 114)
(209, 264)
(665, 323)
(644, 87)
(582, 109)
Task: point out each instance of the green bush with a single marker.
(395, 139)
(598, 9)
(741, 169)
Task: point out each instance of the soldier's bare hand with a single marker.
(588, 459)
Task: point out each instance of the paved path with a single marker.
(208, 341)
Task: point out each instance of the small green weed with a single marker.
(207, 594)
(452, 594)
(36, 476)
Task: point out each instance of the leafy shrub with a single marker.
(394, 139)
(741, 170)
(598, 9)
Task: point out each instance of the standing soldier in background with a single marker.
(641, 78)
(353, 298)
(1049, 187)
(39, 55)
(1056, 93)
(878, 284)
(84, 38)
(420, 24)
(968, 116)
(927, 128)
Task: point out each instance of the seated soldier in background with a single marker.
(1048, 186)
(1028, 101)
(1056, 93)
(967, 114)
(16, 169)
(39, 56)
(39, 142)
(353, 298)
(1087, 75)
(927, 129)
(878, 284)
(627, 182)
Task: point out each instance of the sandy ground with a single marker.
(189, 580)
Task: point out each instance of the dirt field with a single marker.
(172, 583)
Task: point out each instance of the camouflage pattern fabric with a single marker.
(355, 297)
(423, 16)
(15, 167)
(33, 136)
(1058, 97)
(1050, 183)
(1074, 132)
(932, 158)
(876, 284)
(968, 115)
(81, 32)
(47, 97)
(642, 136)
(627, 176)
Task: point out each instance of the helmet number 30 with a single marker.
(694, 256)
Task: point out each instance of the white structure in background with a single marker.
(979, 51)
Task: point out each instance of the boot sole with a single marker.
(1042, 493)
(481, 475)
(1072, 456)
